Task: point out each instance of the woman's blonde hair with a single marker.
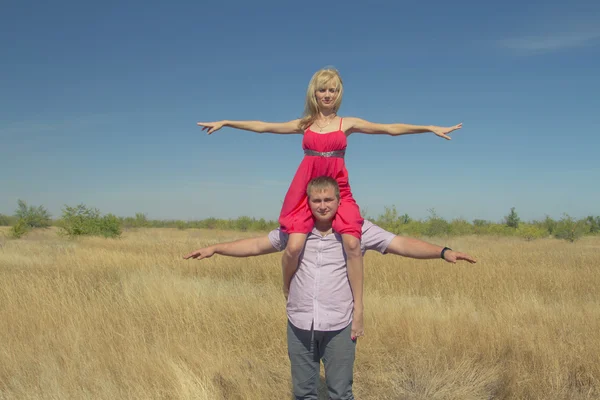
(319, 81)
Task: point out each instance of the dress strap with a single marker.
(341, 119)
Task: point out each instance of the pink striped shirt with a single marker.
(320, 291)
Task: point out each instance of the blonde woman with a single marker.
(324, 143)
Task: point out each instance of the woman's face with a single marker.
(327, 95)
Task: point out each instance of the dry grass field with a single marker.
(98, 318)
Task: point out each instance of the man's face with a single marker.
(323, 204)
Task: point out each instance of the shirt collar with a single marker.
(316, 232)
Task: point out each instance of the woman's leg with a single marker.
(290, 259)
(355, 276)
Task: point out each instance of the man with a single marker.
(320, 302)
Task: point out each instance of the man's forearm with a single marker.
(414, 248)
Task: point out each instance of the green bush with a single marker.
(83, 221)
(460, 226)
(139, 221)
(5, 220)
(480, 226)
(391, 221)
(436, 225)
(495, 230)
(512, 219)
(259, 225)
(530, 232)
(405, 219)
(569, 229)
(19, 229)
(242, 223)
(413, 228)
(480, 222)
(109, 226)
(549, 224)
(33, 217)
(593, 224)
(210, 223)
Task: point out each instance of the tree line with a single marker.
(81, 220)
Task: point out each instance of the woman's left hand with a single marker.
(444, 131)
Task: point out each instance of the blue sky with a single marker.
(99, 101)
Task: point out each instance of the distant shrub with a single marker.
(242, 223)
(210, 223)
(593, 224)
(569, 229)
(4, 220)
(495, 230)
(260, 225)
(109, 226)
(139, 221)
(413, 228)
(480, 222)
(404, 219)
(83, 221)
(530, 232)
(549, 224)
(19, 229)
(460, 227)
(33, 217)
(512, 219)
(390, 220)
(436, 225)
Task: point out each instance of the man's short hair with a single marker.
(321, 183)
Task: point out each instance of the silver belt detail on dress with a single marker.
(335, 153)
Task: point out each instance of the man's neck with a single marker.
(324, 227)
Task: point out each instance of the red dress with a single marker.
(296, 216)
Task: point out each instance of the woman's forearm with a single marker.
(265, 127)
(253, 126)
(404, 129)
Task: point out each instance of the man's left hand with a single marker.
(452, 256)
(199, 254)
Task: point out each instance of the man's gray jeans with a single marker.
(335, 348)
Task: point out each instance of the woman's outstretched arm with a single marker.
(254, 126)
(358, 125)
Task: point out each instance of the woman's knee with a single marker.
(351, 246)
(295, 245)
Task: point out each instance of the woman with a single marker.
(324, 144)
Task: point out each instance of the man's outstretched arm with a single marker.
(240, 248)
(415, 248)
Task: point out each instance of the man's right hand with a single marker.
(199, 254)
(358, 327)
(286, 291)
